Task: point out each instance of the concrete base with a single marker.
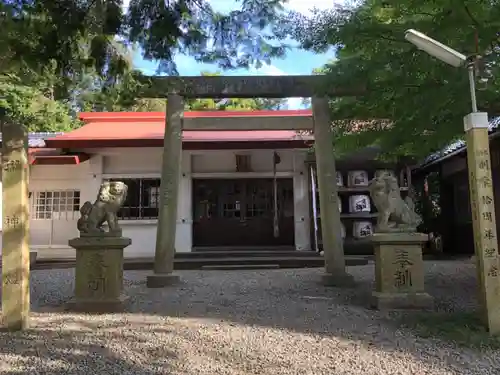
(161, 280)
(401, 301)
(97, 307)
(19, 326)
(339, 280)
(33, 255)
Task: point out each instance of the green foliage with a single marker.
(122, 98)
(415, 103)
(87, 33)
(237, 39)
(73, 35)
(78, 54)
(232, 104)
(28, 106)
(427, 203)
(97, 96)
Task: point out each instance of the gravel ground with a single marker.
(240, 322)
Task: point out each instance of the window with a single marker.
(143, 198)
(259, 200)
(59, 204)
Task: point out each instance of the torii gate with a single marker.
(178, 88)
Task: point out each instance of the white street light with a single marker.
(480, 181)
(445, 54)
(436, 49)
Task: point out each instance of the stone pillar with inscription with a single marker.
(399, 267)
(15, 251)
(99, 253)
(335, 270)
(483, 217)
(167, 219)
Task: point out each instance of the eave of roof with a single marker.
(54, 157)
(455, 148)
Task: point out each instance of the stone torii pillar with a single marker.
(335, 272)
(15, 252)
(169, 191)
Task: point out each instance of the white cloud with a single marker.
(302, 6)
(305, 6)
(267, 70)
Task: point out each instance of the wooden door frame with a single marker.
(239, 175)
(242, 180)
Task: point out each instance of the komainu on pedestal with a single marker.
(395, 214)
(399, 267)
(110, 199)
(99, 253)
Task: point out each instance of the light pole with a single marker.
(480, 183)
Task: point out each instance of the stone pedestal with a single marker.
(99, 273)
(399, 271)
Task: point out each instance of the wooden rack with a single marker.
(353, 245)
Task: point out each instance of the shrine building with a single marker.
(230, 184)
(226, 192)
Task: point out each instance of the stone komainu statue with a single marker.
(109, 200)
(385, 193)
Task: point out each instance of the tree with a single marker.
(122, 98)
(95, 32)
(271, 103)
(237, 39)
(414, 103)
(46, 58)
(28, 106)
(86, 45)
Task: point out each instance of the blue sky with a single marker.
(296, 61)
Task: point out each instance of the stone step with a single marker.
(198, 263)
(245, 254)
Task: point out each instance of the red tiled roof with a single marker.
(151, 126)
